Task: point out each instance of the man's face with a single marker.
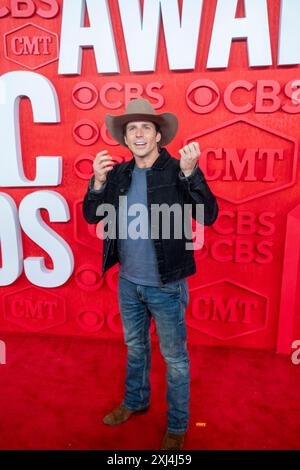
(142, 138)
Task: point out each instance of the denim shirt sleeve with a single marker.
(91, 186)
(196, 192)
(187, 178)
(92, 199)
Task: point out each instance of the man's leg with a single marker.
(167, 305)
(136, 326)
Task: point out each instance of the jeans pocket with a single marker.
(173, 288)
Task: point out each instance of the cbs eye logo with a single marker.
(202, 96)
(85, 95)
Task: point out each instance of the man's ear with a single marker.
(125, 140)
(158, 137)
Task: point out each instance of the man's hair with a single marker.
(156, 127)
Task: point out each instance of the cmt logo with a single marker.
(34, 309)
(31, 46)
(242, 173)
(226, 310)
(2, 353)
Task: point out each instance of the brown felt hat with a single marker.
(142, 110)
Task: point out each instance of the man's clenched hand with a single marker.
(189, 156)
(102, 164)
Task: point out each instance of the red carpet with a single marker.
(54, 392)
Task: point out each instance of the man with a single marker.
(153, 270)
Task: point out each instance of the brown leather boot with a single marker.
(172, 441)
(119, 415)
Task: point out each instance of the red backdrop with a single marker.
(244, 293)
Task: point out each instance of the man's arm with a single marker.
(194, 185)
(196, 192)
(97, 187)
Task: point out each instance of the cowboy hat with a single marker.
(142, 110)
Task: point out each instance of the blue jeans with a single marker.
(167, 306)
